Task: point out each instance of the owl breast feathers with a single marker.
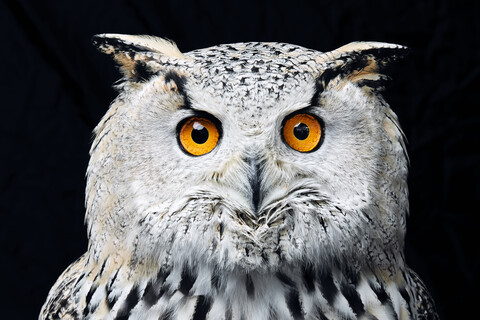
(245, 181)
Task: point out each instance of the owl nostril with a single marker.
(254, 179)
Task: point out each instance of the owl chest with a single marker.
(252, 296)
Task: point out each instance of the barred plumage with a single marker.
(245, 181)
(294, 293)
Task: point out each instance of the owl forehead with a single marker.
(252, 77)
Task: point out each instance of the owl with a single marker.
(245, 181)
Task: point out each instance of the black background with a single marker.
(55, 87)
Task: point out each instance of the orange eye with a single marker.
(302, 132)
(198, 135)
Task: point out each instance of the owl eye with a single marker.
(198, 135)
(302, 132)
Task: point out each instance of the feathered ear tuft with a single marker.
(137, 56)
(363, 63)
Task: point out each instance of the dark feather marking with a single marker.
(88, 307)
(62, 303)
(324, 79)
(353, 299)
(201, 308)
(79, 279)
(103, 267)
(309, 279)
(250, 286)
(94, 306)
(111, 300)
(319, 88)
(177, 79)
(255, 181)
(380, 292)
(385, 54)
(163, 290)
(376, 85)
(142, 72)
(215, 279)
(161, 276)
(56, 307)
(383, 297)
(278, 252)
(264, 256)
(358, 61)
(166, 288)
(322, 222)
(187, 281)
(329, 290)
(112, 281)
(405, 295)
(129, 303)
(180, 82)
(96, 278)
(221, 227)
(119, 45)
(339, 209)
(293, 303)
(151, 294)
(286, 280)
(98, 139)
(153, 291)
(320, 314)
(353, 276)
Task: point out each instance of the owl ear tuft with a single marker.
(363, 63)
(137, 56)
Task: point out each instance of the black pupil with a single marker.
(199, 133)
(301, 131)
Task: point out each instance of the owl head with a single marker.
(247, 156)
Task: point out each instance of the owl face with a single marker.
(247, 156)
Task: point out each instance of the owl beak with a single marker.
(255, 176)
